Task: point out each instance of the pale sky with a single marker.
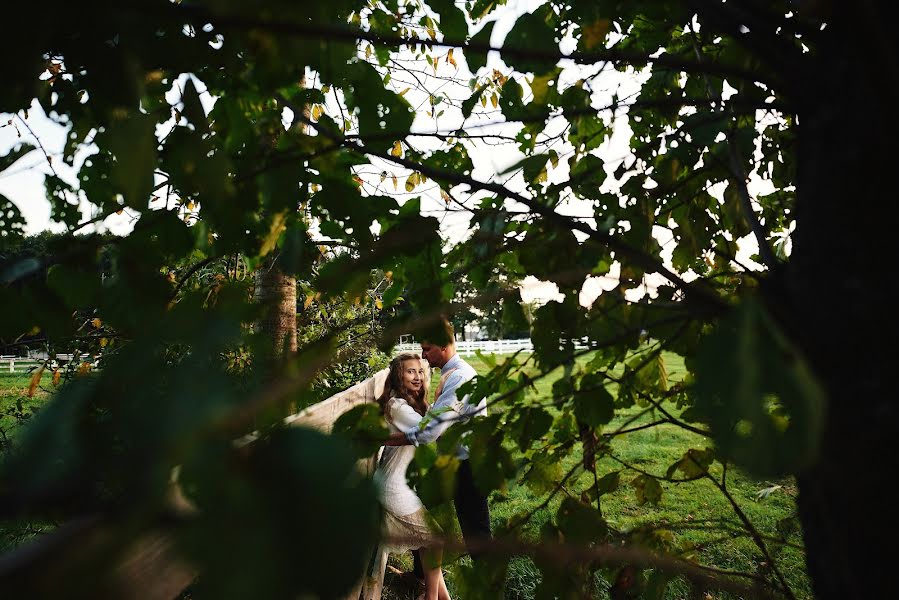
(22, 183)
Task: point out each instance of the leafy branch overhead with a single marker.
(396, 161)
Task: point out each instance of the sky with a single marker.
(22, 183)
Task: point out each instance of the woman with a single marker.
(407, 524)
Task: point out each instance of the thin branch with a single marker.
(642, 259)
(322, 31)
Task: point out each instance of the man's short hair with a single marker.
(440, 333)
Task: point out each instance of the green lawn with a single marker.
(16, 408)
(15, 404)
(695, 515)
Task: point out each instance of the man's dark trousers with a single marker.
(472, 511)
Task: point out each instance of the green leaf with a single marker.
(452, 19)
(587, 175)
(193, 108)
(648, 489)
(608, 483)
(12, 224)
(380, 110)
(532, 33)
(469, 104)
(478, 58)
(544, 474)
(756, 391)
(531, 166)
(593, 404)
(78, 287)
(240, 538)
(364, 426)
(553, 331)
(581, 524)
(694, 463)
(437, 484)
(132, 140)
(10, 158)
(534, 423)
(61, 210)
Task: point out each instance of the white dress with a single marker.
(405, 517)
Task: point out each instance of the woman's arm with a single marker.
(403, 416)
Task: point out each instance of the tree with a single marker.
(728, 93)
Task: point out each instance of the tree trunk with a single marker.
(838, 282)
(276, 292)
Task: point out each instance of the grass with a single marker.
(15, 404)
(691, 515)
(16, 408)
(695, 517)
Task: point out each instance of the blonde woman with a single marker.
(407, 524)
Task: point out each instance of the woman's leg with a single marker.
(431, 558)
(443, 593)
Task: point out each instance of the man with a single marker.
(471, 504)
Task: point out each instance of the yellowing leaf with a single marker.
(395, 183)
(595, 33)
(96, 322)
(397, 149)
(403, 93)
(308, 301)
(56, 376)
(540, 85)
(326, 89)
(368, 51)
(274, 233)
(494, 100)
(35, 381)
(379, 304)
(83, 369)
(103, 342)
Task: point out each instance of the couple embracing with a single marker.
(413, 421)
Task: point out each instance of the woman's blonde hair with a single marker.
(394, 388)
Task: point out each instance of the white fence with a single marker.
(21, 364)
(489, 346)
(468, 348)
(17, 364)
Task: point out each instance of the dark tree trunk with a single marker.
(839, 281)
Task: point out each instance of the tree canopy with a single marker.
(343, 139)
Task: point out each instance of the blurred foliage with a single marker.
(304, 101)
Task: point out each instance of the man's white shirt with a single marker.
(447, 409)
